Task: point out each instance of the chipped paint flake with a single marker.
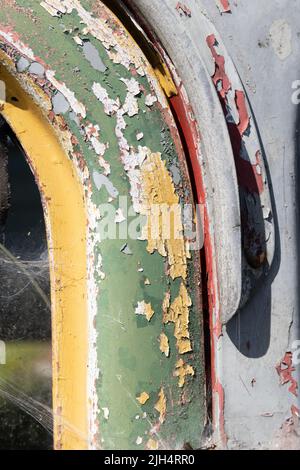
(54, 7)
(131, 106)
(139, 440)
(139, 136)
(110, 106)
(158, 198)
(92, 134)
(285, 371)
(132, 85)
(144, 309)
(105, 412)
(223, 6)
(152, 444)
(78, 40)
(164, 344)
(178, 313)
(11, 38)
(143, 398)
(161, 406)
(50, 9)
(150, 100)
(182, 371)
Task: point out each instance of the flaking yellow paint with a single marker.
(66, 220)
(164, 230)
(178, 313)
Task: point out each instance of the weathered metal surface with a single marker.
(251, 402)
(129, 372)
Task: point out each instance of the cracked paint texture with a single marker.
(105, 94)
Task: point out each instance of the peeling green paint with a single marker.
(129, 357)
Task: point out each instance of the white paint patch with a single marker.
(281, 38)
(132, 85)
(55, 7)
(105, 413)
(150, 100)
(78, 40)
(111, 106)
(130, 107)
(92, 134)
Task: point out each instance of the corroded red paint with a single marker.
(220, 78)
(183, 111)
(243, 112)
(248, 176)
(295, 411)
(226, 6)
(285, 370)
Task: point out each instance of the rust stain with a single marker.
(164, 344)
(285, 369)
(161, 406)
(183, 370)
(178, 313)
(143, 398)
(220, 78)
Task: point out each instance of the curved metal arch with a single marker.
(65, 216)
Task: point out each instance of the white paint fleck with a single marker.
(150, 100)
(105, 413)
(111, 106)
(139, 440)
(130, 106)
(78, 40)
(132, 85)
(139, 136)
(19, 45)
(50, 9)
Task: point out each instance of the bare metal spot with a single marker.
(102, 180)
(60, 104)
(92, 55)
(37, 69)
(22, 64)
